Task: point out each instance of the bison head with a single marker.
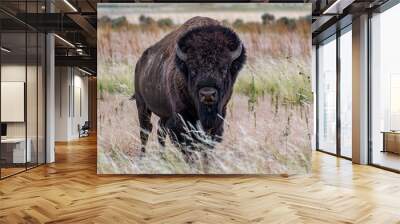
(210, 58)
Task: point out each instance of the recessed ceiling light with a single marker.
(84, 71)
(64, 40)
(70, 5)
(5, 50)
(337, 7)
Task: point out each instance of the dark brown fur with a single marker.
(168, 86)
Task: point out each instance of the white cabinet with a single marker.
(17, 145)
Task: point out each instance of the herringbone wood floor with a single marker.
(69, 191)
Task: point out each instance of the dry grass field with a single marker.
(269, 120)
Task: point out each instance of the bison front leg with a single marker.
(180, 138)
(161, 132)
(145, 122)
(219, 131)
(174, 131)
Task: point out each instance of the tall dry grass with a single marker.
(268, 124)
(270, 143)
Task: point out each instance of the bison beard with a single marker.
(208, 117)
(187, 78)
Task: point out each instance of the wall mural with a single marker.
(204, 88)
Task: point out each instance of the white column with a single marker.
(50, 99)
(50, 92)
(360, 90)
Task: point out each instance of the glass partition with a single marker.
(385, 89)
(32, 85)
(41, 107)
(13, 94)
(22, 77)
(346, 93)
(31, 99)
(327, 96)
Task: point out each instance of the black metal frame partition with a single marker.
(382, 8)
(30, 29)
(339, 32)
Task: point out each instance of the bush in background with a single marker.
(267, 18)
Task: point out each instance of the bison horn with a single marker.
(237, 52)
(180, 54)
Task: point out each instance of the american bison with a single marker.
(187, 79)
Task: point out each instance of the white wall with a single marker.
(12, 73)
(79, 117)
(62, 82)
(33, 125)
(13, 101)
(70, 83)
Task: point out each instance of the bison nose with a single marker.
(208, 95)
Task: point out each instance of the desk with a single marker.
(391, 141)
(13, 150)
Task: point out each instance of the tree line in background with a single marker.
(149, 23)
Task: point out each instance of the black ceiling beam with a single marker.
(16, 19)
(331, 30)
(84, 24)
(322, 23)
(77, 61)
(91, 5)
(50, 22)
(64, 51)
(62, 22)
(11, 25)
